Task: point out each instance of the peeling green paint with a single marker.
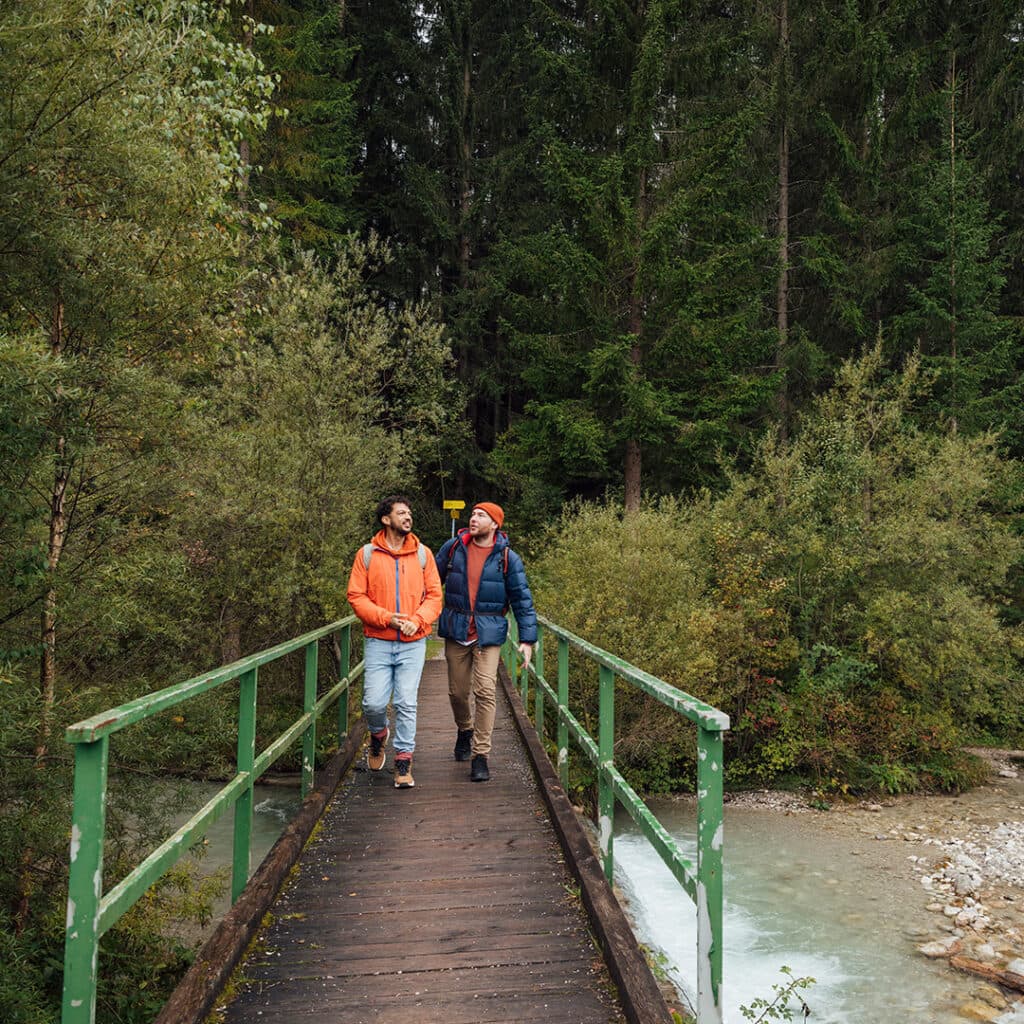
(89, 912)
(703, 884)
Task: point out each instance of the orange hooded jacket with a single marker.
(394, 582)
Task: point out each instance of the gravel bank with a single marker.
(968, 853)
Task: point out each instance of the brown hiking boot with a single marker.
(376, 756)
(403, 773)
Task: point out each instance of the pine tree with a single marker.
(639, 296)
(307, 157)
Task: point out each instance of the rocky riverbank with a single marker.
(967, 853)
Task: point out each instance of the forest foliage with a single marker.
(843, 600)
(721, 302)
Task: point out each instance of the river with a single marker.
(273, 807)
(843, 905)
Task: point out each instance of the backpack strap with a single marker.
(421, 554)
(451, 557)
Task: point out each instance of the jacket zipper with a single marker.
(398, 599)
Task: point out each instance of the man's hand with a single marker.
(526, 653)
(404, 624)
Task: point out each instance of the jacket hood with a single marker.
(412, 542)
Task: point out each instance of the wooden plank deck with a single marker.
(449, 902)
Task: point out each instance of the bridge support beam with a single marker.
(85, 882)
(606, 758)
(246, 763)
(709, 875)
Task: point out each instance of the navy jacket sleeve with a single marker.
(520, 599)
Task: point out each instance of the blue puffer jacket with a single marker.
(496, 593)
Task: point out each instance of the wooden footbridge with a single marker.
(450, 902)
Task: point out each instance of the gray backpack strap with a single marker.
(421, 553)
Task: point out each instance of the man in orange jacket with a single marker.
(395, 590)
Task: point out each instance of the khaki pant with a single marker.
(472, 676)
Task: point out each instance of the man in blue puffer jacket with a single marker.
(483, 578)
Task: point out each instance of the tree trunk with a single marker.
(55, 548)
(465, 152)
(782, 292)
(48, 631)
(952, 233)
(463, 190)
(632, 476)
(48, 618)
(1006, 978)
(231, 638)
(633, 462)
(244, 149)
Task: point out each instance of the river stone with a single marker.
(978, 1011)
(963, 883)
(1016, 966)
(1015, 1015)
(986, 951)
(987, 993)
(941, 947)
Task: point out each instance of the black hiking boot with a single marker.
(478, 772)
(463, 744)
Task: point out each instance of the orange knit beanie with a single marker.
(494, 511)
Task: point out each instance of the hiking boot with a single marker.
(463, 745)
(403, 773)
(375, 756)
(478, 772)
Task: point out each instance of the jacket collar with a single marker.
(412, 542)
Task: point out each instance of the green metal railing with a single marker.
(91, 912)
(704, 885)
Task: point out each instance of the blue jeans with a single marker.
(392, 673)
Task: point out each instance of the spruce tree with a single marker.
(306, 158)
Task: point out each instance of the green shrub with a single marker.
(841, 601)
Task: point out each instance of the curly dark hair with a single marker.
(385, 505)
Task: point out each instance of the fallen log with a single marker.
(1008, 979)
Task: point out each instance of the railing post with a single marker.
(522, 678)
(709, 875)
(344, 662)
(563, 706)
(244, 803)
(538, 691)
(85, 882)
(510, 653)
(308, 704)
(606, 754)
